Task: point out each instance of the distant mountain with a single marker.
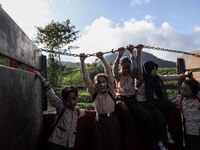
(69, 64)
(144, 57)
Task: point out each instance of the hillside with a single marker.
(146, 56)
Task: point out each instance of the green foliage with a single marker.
(85, 105)
(53, 71)
(85, 100)
(94, 70)
(54, 36)
(167, 71)
(72, 76)
(171, 86)
(84, 96)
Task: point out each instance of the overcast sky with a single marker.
(108, 24)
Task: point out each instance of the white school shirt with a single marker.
(191, 113)
(125, 86)
(64, 133)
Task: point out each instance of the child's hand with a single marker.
(188, 74)
(82, 56)
(139, 47)
(99, 55)
(121, 51)
(130, 48)
(119, 102)
(82, 112)
(37, 73)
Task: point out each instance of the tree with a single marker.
(55, 36)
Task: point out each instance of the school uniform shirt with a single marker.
(65, 131)
(125, 86)
(191, 112)
(103, 102)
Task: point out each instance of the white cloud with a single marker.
(28, 14)
(104, 35)
(139, 2)
(197, 29)
(149, 18)
(196, 36)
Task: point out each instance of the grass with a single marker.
(86, 105)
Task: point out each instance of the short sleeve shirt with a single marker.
(191, 112)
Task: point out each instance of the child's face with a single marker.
(102, 84)
(125, 68)
(71, 101)
(185, 90)
(154, 72)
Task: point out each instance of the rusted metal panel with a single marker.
(14, 43)
(20, 109)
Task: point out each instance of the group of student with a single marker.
(128, 91)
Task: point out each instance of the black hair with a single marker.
(67, 90)
(100, 75)
(148, 66)
(124, 60)
(194, 86)
(153, 84)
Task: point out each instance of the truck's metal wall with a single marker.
(15, 44)
(20, 110)
(20, 92)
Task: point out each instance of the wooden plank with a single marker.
(192, 63)
(20, 109)
(15, 44)
(197, 76)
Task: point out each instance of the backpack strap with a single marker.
(139, 84)
(94, 96)
(181, 107)
(59, 116)
(61, 113)
(78, 111)
(111, 95)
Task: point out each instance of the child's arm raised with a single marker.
(85, 75)
(133, 69)
(121, 51)
(107, 69)
(53, 98)
(138, 60)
